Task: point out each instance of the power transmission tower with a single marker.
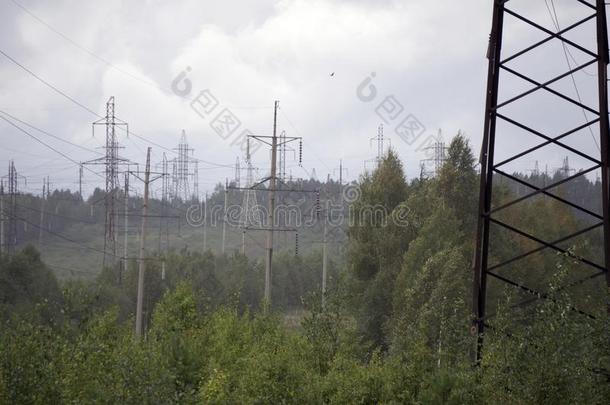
(12, 192)
(111, 162)
(379, 143)
(565, 169)
(380, 140)
(12, 179)
(491, 219)
(250, 214)
(182, 172)
(536, 170)
(165, 201)
(237, 172)
(432, 166)
(196, 180)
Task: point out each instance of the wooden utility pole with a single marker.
(142, 268)
(270, 215)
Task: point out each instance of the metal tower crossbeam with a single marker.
(488, 214)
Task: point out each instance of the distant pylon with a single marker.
(182, 172)
(11, 241)
(237, 172)
(282, 158)
(565, 169)
(380, 140)
(341, 170)
(250, 214)
(438, 155)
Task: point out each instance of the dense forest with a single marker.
(395, 327)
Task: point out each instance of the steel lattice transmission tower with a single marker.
(182, 172)
(534, 105)
(250, 213)
(11, 213)
(437, 155)
(111, 162)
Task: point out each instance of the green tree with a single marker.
(376, 245)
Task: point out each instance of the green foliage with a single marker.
(394, 327)
(28, 288)
(30, 363)
(376, 246)
(553, 354)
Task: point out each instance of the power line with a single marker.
(555, 18)
(50, 134)
(43, 81)
(73, 100)
(72, 270)
(58, 235)
(56, 215)
(45, 144)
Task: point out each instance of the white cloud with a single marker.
(429, 55)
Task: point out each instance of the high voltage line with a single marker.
(50, 134)
(58, 235)
(81, 105)
(45, 144)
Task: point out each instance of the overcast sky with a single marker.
(311, 55)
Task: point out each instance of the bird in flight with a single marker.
(332, 74)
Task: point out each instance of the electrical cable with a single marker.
(554, 17)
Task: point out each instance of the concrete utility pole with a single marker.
(2, 246)
(324, 263)
(224, 221)
(142, 238)
(243, 243)
(205, 225)
(270, 227)
(142, 269)
(125, 236)
(42, 201)
(80, 180)
(270, 214)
